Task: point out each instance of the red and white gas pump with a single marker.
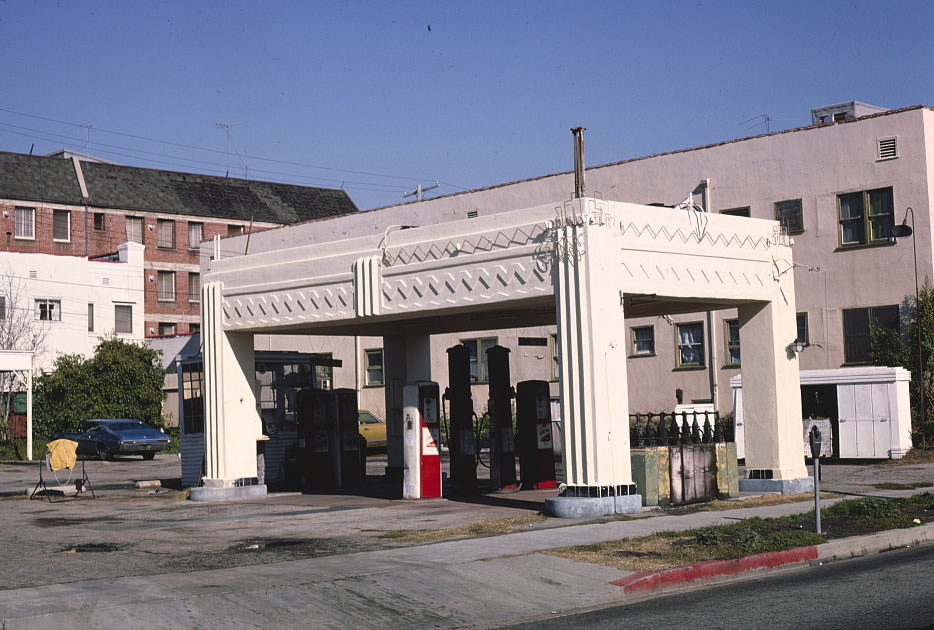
(421, 438)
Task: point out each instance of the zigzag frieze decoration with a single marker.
(685, 237)
(458, 247)
(282, 308)
(465, 286)
(679, 275)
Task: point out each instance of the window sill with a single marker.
(61, 240)
(166, 301)
(24, 238)
(689, 368)
(166, 247)
(373, 386)
(847, 248)
(642, 356)
(730, 366)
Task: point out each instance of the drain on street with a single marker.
(300, 547)
(91, 548)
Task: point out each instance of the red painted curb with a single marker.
(712, 568)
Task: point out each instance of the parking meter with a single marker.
(815, 442)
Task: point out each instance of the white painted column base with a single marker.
(593, 507)
(225, 490)
(785, 486)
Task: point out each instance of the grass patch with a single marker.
(913, 456)
(666, 550)
(903, 486)
(15, 450)
(756, 501)
(488, 527)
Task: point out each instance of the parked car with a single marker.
(372, 429)
(108, 437)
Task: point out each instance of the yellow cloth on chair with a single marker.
(62, 454)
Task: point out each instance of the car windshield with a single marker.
(367, 418)
(128, 424)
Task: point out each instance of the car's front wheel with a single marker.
(148, 456)
(103, 452)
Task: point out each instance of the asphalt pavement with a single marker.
(142, 555)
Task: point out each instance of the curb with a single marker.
(839, 549)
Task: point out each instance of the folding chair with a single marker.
(60, 455)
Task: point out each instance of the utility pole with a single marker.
(419, 190)
(226, 127)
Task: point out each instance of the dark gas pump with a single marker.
(348, 418)
(536, 445)
(462, 444)
(502, 439)
(318, 433)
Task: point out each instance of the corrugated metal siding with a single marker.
(191, 448)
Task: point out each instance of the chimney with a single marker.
(578, 161)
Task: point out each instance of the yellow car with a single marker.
(372, 429)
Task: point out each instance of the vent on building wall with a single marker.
(472, 214)
(33, 275)
(888, 149)
(106, 282)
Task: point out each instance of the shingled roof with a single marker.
(53, 180)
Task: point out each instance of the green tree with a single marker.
(121, 380)
(915, 352)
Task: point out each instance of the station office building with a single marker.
(837, 186)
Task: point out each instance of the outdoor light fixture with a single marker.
(903, 230)
(797, 346)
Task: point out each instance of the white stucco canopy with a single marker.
(583, 265)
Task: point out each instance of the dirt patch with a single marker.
(913, 456)
(92, 548)
(903, 486)
(291, 548)
(66, 521)
(505, 525)
(755, 501)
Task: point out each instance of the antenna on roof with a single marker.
(417, 192)
(226, 127)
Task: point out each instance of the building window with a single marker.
(2, 307)
(856, 330)
(49, 310)
(374, 367)
(90, 318)
(555, 358)
(234, 230)
(61, 225)
(195, 235)
(194, 288)
(737, 212)
(165, 234)
(690, 343)
(166, 328)
(123, 319)
(134, 229)
(802, 322)
(643, 340)
(194, 328)
(324, 374)
(166, 288)
(479, 370)
(788, 213)
(866, 214)
(731, 336)
(24, 222)
(99, 221)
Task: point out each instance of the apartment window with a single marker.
(192, 398)
(134, 229)
(49, 310)
(731, 337)
(194, 288)
(802, 322)
(90, 317)
(166, 328)
(690, 341)
(374, 367)
(737, 212)
(99, 224)
(789, 214)
(479, 370)
(61, 225)
(194, 328)
(643, 340)
(234, 230)
(866, 217)
(165, 234)
(555, 358)
(856, 329)
(123, 318)
(166, 287)
(195, 235)
(24, 222)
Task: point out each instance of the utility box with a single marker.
(651, 475)
(867, 409)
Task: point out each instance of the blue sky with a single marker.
(366, 96)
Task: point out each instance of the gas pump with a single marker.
(349, 452)
(318, 430)
(462, 443)
(421, 438)
(536, 446)
(502, 441)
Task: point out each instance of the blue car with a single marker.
(108, 437)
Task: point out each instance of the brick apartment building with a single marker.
(77, 207)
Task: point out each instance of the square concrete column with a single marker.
(772, 397)
(231, 422)
(594, 393)
(406, 358)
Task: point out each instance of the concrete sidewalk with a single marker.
(177, 564)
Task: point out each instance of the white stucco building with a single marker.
(74, 301)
